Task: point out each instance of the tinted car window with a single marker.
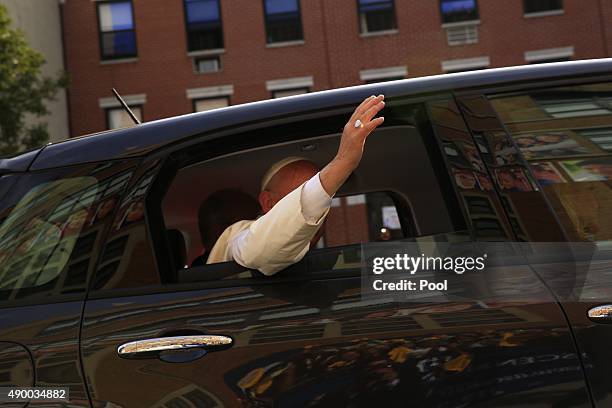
(51, 224)
(565, 134)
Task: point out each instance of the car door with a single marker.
(563, 132)
(51, 225)
(307, 336)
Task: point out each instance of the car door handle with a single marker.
(175, 348)
(601, 314)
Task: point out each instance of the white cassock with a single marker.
(279, 238)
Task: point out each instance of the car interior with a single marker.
(394, 194)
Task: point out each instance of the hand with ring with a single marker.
(361, 124)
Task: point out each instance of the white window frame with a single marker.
(210, 92)
(466, 64)
(132, 101)
(289, 83)
(383, 73)
(549, 53)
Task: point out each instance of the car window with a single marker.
(399, 191)
(128, 259)
(51, 225)
(565, 135)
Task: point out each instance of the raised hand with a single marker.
(361, 124)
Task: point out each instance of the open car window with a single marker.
(398, 192)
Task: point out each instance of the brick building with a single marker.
(171, 57)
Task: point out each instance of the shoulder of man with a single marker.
(219, 252)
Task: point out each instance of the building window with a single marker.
(462, 35)
(207, 64)
(376, 15)
(289, 92)
(542, 6)
(549, 55)
(117, 34)
(370, 76)
(117, 118)
(455, 11)
(283, 21)
(206, 104)
(203, 22)
(467, 64)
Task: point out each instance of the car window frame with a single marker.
(213, 145)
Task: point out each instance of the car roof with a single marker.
(150, 136)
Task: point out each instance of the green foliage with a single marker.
(23, 90)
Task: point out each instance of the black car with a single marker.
(101, 290)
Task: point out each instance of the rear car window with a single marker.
(39, 235)
(52, 224)
(565, 135)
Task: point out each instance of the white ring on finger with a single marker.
(358, 124)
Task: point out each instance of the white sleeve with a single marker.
(315, 200)
(281, 237)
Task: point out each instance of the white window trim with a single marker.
(378, 33)
(119, 61)
(549, 53)
(130, 100)
(466, 63)
(289, 83)
(383, 73)
(210, 92)
(461, 24)
(281, 44)
(206, 53)
(544, 13)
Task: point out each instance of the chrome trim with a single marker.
(208, 342)
(601, 313)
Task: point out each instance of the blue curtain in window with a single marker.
(374, 5)
(202, 11)
(281, 7)
(458, 6)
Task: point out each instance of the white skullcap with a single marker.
(276, 167)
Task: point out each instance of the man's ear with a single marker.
(266, 201)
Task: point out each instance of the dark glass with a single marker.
(203, 23)
(283, 21)
(535, 6)
(52, 226)
(119, 44)
(128, 259)
(564, 135)
(116, 26)
(377, 15)
(470, 176)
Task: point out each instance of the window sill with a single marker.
(208, 72)
(203, 53)
(461, 24)
(544, 13)
(378, 33)
(285, 44)
(118, 61)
